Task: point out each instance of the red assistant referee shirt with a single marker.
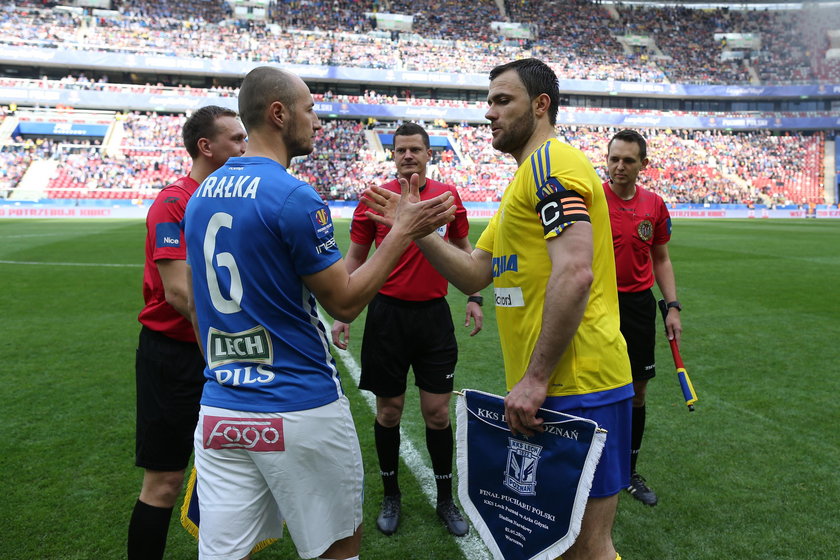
(414, 278)
(165, 240)
(637, 225)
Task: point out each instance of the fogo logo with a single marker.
(253, 434)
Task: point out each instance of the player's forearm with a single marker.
(178, 300)
(175, 280)
(463, 243)
(366, 280)
(663, 272)
(353, 264)
(357, 254)
(192, 315)
(466, 271)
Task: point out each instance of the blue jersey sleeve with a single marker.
(308, 231)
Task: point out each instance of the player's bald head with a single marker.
(261, 87)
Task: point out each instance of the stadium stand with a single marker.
(343, 162)
(14, 162)
(687, 166)
(579, 38)
(86, 172)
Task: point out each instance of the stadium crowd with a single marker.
(82, 81)
(579, 38)
(88, 172)
(15, 159)
(148, 158)
(342, 164)
(687, 166)
(368, 97)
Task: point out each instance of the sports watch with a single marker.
(675, 304)
(476, 299)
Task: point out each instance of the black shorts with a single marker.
(399, 334)
(170, 378)
(638, 325)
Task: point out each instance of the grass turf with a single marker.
(750, 474)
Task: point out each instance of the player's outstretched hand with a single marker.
(340, 334)
(673, 326)
(474, 313)
(382, 201)
(418, 218)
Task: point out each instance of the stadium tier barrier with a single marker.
(137, 209)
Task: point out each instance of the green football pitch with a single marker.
(751, 474)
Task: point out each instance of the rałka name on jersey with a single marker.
(228, 186)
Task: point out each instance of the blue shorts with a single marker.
(613, 471)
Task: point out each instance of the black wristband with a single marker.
(476, 299)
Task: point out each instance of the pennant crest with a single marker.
(521, 473)
(525, 496)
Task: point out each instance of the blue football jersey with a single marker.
(252, 232)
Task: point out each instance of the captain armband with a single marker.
(560, 208)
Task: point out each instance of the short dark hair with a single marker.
(538, 79)
(410, 129)
(202, 124)
(261, 87)
(633, 137)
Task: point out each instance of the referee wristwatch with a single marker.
(675, 304)
(476, 299)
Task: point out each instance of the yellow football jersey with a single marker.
(555, 187)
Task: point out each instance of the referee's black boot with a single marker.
(451, 516)
(389, 515)
(639, 489)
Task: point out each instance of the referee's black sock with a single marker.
(439, 444)
(388, 450)
(147, 532)
(638, 431)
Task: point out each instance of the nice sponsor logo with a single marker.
(252, 434)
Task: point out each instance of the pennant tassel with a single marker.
(190, 516)
(588, 474)
(189, 509)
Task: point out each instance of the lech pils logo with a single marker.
(521, 470)
(253, 345)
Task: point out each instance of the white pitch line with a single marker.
(471, 545)
(127, 265)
